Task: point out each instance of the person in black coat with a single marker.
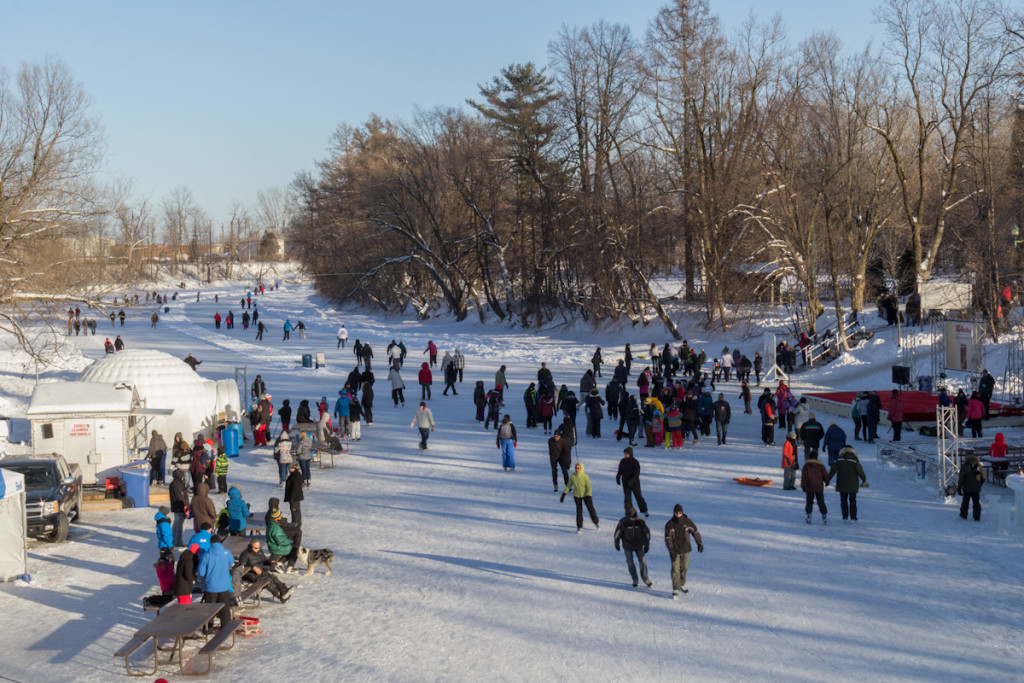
(252, 564)
(179, 501)
(285, 413)
(611, 394)
(302, 415)
(632, 415)
(355, 380)
(633, 535)
(567, 403)
(185, 576)
(293, 493)
(367, 400)
(560, 454)
(451, 373)
(629, 477)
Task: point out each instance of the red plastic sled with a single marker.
(752, 482)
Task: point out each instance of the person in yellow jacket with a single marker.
(579, 484)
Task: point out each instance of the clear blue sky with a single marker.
(229, 98)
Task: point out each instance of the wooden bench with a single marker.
(128, 649)
(252, 596)
(214, 645)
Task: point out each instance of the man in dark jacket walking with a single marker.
(812, 480)
(635, 538)
(629, 476)
(849, 476)
(560, 454)
(723, 414)
(972, 476)
(811, 434)
(678, 531)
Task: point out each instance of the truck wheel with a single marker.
(60, 529)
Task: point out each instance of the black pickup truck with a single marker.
(53, 493)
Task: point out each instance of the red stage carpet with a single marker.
(918, 406)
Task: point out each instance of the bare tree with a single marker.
(50, 148)
(946, 58)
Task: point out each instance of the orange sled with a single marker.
(752, 482)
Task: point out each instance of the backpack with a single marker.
(633, 535)
(493, 399)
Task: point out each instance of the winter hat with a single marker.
(507, 418)
(275, 514)
(165, 510)
(677, 508)
(274, 503)
(628, 449)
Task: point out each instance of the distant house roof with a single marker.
(82, 398)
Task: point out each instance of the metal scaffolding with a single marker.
(1013, 377)
(937, 332)
(948, 433)
(908, 356)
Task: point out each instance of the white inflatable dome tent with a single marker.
(166, 382)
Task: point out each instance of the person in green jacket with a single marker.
(281, 544)
(579, 484)
(220, 469)
(849, 475)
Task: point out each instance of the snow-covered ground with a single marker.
(449, 568)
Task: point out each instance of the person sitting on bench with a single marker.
(283, 540)
(253, 564)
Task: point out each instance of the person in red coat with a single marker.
(426, 378)
(998, 449)
(216, 320)
(975, 414)
(896, 414)
(812, 481)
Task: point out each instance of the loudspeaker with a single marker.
(900, 374)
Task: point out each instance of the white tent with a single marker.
(166, 382)
(13, 532)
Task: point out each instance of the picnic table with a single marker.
(324, 453)
(178, 622)
(237, 544)
(1010, 463)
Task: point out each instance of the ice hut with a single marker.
(166, 382)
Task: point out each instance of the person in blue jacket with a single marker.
(164, 534)
(238, 511)
(215, 568)
(834, 441)
(341, 410)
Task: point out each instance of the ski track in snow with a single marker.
(448, 568)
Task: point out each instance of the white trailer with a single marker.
(99, 426)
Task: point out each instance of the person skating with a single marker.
(560, 455)
(431, 352)
(546, 411)
(450, 375)
(397, 386)
(426, 379)
(849, 476)
(582, 494)
(790, 463)
(530, 400)
(179, 502)
(342, 338)
(596, 362)
(811, 433)
(480, 400)
(507, 441)
(493, 400)
(628, 476)
(424, 420)
(635, 538)
(459, 362)
(812, 480)
(723, 415)
(595, 412)
(678, 532)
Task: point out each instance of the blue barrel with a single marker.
(232, 440)
(307, 360)
(167, 309)
(924, 383)
(136, 482)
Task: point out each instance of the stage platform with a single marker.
(918, 408)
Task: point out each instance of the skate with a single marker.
(808, 520)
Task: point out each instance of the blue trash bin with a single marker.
(232, 440)
(307, 360)
(167, 309)
(924, 383)
(136, 483)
